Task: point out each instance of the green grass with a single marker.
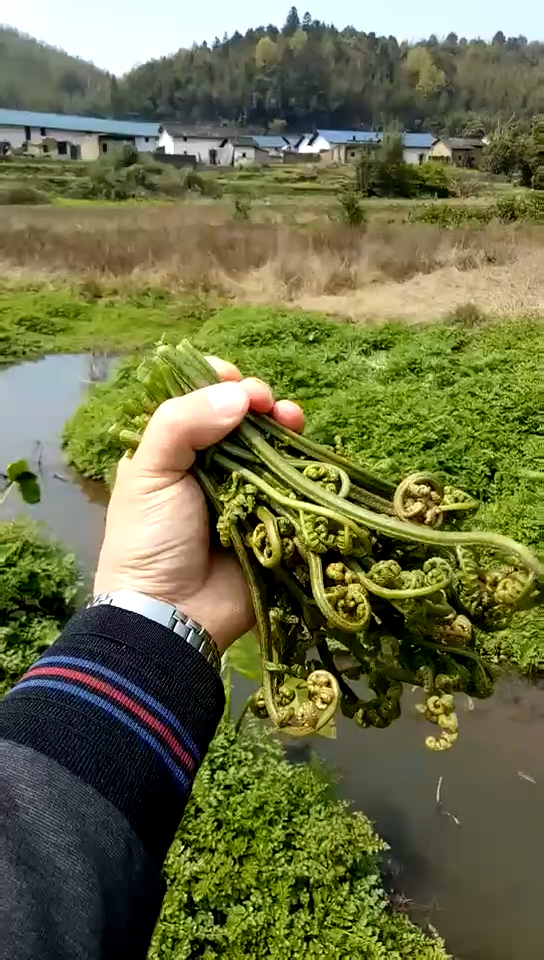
(39, 584)
(461, 400)
(268, 865)
(35, 321)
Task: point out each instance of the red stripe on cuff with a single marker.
(127, 702)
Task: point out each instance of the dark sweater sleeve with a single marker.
(101, 740)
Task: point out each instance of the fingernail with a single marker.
(228, 399)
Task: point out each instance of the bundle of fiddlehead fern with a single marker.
(340, 561)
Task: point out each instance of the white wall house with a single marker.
(71, 137)
(276, 145)
(416, 145)
(247, 150)
(210, 147)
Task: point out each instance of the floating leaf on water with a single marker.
(17, 469)
(29, 487)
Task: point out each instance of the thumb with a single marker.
(185, 424)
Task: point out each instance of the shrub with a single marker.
(22, 195)
(447, 215)
(266, 864)
(39, 584)
(351, 210)
(242, 208)
(382, 172)
(432, 179)
(537, 180)
(467, 315)
(520, 206)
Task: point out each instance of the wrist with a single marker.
(167, 615)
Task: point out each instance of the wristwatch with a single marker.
(168, 616)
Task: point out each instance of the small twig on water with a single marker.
(452, 817)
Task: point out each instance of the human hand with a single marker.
(157, 538)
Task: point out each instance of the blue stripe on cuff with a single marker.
(105, 705)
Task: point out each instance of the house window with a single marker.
(43, 132)
(45, 147)
(244, 155)
(352, 154)
(62, 148)
(28, 133)
(104, 148)
(184, 139)
(147, 139)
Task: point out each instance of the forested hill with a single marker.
(311, 74)
(307, 74)
(34, 76)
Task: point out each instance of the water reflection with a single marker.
(470, 865)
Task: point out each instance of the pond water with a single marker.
(471, 865)
(35, 401)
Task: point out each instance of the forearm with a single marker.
(103, 738)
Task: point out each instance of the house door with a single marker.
(74, 152)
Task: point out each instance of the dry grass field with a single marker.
(413, 271)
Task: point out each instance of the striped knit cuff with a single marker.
(125, 705)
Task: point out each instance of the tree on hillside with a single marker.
(309, 74)
(312, 74)
(514, 152)
(292, 22)
(34, 76)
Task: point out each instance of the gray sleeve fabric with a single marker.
(75, 880)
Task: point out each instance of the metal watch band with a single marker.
(168, 616)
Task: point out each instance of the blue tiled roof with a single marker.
(349, 136)
(57, 121)
(422, 141)
(269, 141)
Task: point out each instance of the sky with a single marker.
(117, 34)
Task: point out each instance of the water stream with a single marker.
(470, 865)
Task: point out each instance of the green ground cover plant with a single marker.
(512, 207)
(39, 586)
(267, 864)
(458, 399)
(41, 319)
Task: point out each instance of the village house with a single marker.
(247, 150)
(459, 151)
(276, 145)
(211, 146)
(344, 146)
(70, 137)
